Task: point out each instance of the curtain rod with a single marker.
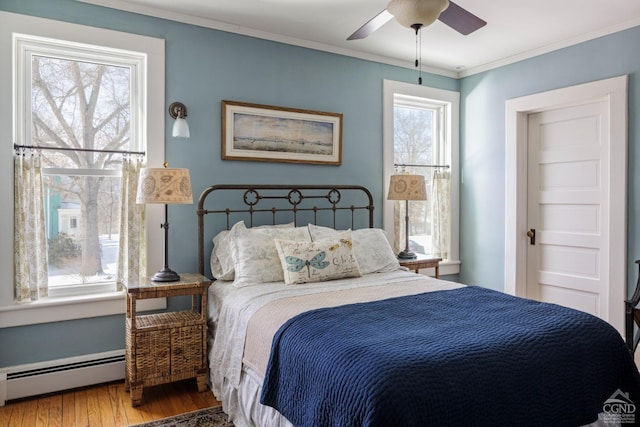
(88, 150)
(420, 166)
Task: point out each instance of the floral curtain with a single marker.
(398, 226)
(30, 239)
(132, 251)
(441, 213)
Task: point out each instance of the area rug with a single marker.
(209, 417)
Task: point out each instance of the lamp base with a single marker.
(406, 254)
(165, 275)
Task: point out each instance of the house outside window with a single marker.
(421, 138)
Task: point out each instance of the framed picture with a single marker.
(275, 134)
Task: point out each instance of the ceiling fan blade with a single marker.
(374, 23)
(460, 19)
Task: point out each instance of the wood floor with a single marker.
(107, 405)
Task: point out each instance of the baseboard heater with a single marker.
(46, 377)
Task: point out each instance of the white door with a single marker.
(566, 163)
(568, 205)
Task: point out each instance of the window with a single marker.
(421, 138)
(82, 103)
(86, 91)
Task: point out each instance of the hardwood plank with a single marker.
(42, 412)
(55, 411)
(177, 392)
(117, 404)
(93, 407)
(81, 409)
(68, 409)
(5, 415)
(133, 414)
(11, 415)
(106, 405)
(106, 411)
(156, 401)
(16, 414)
(30, 410)
(185, 398)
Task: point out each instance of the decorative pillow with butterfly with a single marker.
(318, 261)
(371, 246)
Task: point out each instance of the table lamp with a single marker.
(167, 186)
(407, 187)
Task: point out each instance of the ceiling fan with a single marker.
(420, 13)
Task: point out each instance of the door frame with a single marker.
(614, 92)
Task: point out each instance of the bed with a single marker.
(312, 322)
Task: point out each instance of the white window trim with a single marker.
(452, 132)
(152, 129)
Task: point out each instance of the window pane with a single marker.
(78, 105)
(82, 234)
(414, 145)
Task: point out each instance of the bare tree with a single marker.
(413, 145)
(79, 105)
(412, 135)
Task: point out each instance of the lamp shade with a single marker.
(164, 185)
(410, 12)
(407, 187)
(181, 128)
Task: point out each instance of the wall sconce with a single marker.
(178, 111)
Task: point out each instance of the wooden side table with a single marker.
(422, 261)
(169, 346)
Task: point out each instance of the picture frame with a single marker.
(266, 133)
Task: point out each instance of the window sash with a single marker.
(29, 46)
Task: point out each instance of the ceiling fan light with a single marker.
(411, 12)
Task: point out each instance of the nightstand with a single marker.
(422, 261)
(169, 346)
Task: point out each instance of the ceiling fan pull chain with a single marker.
(420, 70)
(418, 51)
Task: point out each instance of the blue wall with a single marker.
(483, 143)
(205, 66)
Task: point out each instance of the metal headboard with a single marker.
(333, 206)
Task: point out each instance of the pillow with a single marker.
(370, 245)
(255, 257)
(221, 260)
(318, 261)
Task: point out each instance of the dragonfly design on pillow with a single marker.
(296, 264)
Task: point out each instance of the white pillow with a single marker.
(221, 260)
(255, 257)
(318, 261)
(370, 246)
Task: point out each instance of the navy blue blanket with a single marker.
(468, 356)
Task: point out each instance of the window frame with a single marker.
(151, 129)
(450, 102)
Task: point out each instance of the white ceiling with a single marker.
(515, 29)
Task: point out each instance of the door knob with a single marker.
(531, 234)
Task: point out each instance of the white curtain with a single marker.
(398, 226)
(30, 239)
(441, 213)
(132, 251)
